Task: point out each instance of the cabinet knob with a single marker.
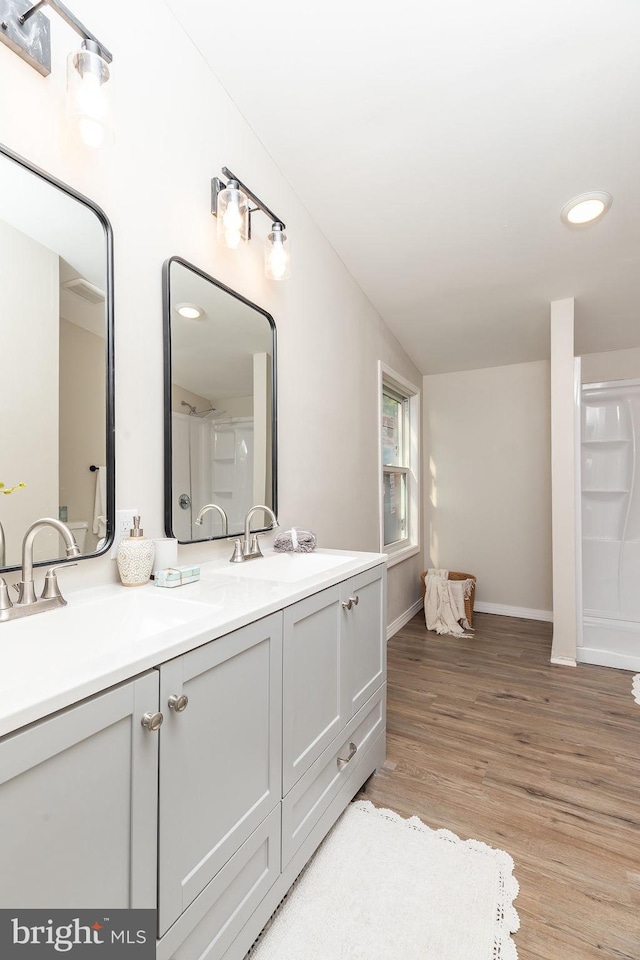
(178, 703)
(347, 604)
(355, 600)
(152, 721)
(343, 761)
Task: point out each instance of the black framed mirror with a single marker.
(219, 405)
(56, 364)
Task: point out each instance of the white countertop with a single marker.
(109, 634)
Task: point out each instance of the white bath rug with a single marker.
(384, 888)
(635, 688)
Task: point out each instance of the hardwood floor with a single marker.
(488, 739)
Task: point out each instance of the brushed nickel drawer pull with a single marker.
(343, 761)
(347, 604)
(355, 600)
(152, 721)
(178, 703)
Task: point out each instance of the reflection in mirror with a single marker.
(220, 426)
(56, 363)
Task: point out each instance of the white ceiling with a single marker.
(435, 146)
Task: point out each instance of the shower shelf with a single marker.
(618, 493)
(603, 540)
(587, 443)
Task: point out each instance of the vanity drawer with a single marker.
(217, 916)
(309, 798)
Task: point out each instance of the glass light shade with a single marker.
(277, 261)
(232, 213)
(88, 99)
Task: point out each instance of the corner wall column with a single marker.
(563, 468)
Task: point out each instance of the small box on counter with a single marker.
(176, 576)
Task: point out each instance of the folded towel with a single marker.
(295, 541)
(100, 503)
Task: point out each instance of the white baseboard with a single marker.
(400, 621)
(525, 613)
(564, 661)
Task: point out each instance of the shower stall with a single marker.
(212, 463)
(610, 520)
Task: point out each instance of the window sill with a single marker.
(403, 553)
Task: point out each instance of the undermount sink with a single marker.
(131, 615)
(285, 567)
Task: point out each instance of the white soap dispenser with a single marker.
(135, 557)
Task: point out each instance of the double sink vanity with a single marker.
(190, 751)
(183, 750)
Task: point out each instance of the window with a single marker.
(399, 451)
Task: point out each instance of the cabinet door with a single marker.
(364, 636)
(315, 696)
(220, 758)
(78, 804)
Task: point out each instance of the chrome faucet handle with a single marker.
(5, 599)
(254, 549)
(51, 590)
(238, 551)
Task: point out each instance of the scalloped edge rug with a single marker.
(384, 888)
(635, 688)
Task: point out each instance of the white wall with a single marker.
(176, 128)
(612, 365)
(82, 422)
(29, 448)
(487, 474)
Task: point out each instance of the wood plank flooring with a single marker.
(488, 739)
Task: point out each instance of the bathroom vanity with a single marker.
(190, 749)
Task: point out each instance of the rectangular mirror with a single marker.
(220, 405)
(56, 364)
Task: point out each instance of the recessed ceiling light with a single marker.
(190, 311)
(586, 208)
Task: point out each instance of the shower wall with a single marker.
(610, 461)
(212, 463)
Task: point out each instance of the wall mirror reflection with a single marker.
(220, 407)
(56, 364)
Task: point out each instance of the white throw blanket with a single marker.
(444, 603)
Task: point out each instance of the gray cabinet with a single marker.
(334, 660)
(363, 636)
(220, 757)
(78, 799)
(314, 681)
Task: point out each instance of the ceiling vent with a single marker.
(87, 291)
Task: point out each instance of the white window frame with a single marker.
(410, 545)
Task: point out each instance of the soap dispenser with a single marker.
(135, 557)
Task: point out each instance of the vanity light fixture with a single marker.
(26, 31)
(277, 263)
(586, 208)
(190, 311)
(230, 204)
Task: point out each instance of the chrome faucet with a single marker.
(214, 506)
(248, 548)
(28, 603)
(3, 548)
